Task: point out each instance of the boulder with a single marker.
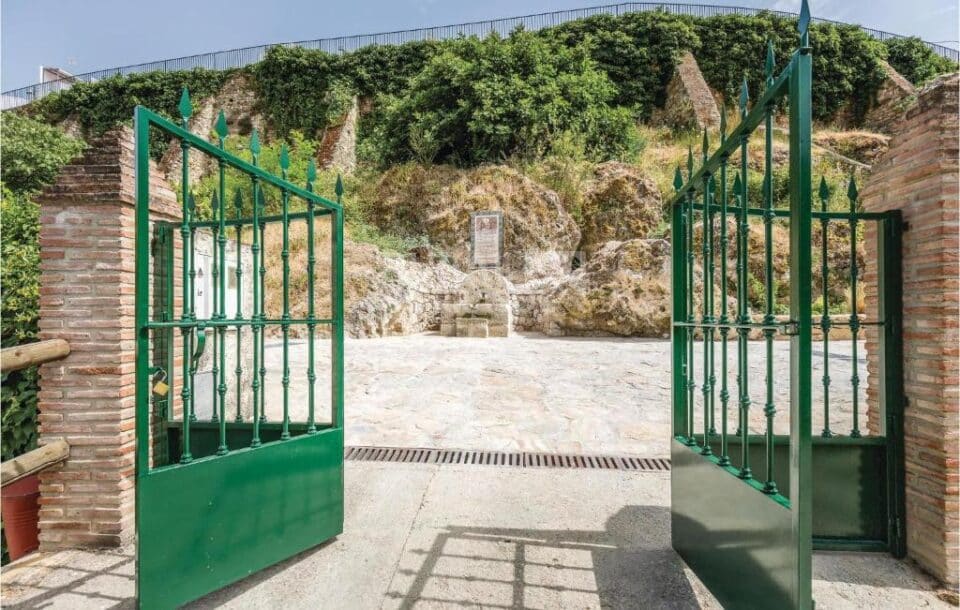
(622, 290)
(622, 204)
(387, 296)
(539, 235)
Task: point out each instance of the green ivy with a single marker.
(484, 100)
(316, 80)
(912, 58)
(33, 153)
(638, 51)
(102, 105)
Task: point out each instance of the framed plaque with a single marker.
(486, 231)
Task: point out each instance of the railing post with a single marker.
(890, 312)
(801, 451)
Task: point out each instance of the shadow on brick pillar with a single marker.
(87, 297)
(919, 175)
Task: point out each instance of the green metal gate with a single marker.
(751, 499)
(224, 491)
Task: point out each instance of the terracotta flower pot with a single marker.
(20, 515)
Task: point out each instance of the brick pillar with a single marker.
(87, 297)
(918, 175)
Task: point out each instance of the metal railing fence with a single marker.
(237, 58)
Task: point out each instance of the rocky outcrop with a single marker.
(540, 236)
(623, 290)
(690, 103)
(862, 146)
(338, 148)
(622, 204)
(238, 100)
(393, 296)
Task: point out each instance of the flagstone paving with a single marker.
(535, 393)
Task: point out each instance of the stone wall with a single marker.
(338, 148)
(893, 98)
(87, 297)
(918, 175)
(690, 103)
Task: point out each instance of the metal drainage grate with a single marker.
(517, 459)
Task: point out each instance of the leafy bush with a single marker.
(386, 69)
(107, 103)
(638, 51)
(33, 153)
(483, 100)
(315, 79)
(912, 58)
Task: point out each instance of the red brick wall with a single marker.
(918, 175)
(87, 298)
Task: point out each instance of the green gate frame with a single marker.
(243, 494)
(746, 537)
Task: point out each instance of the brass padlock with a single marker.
(160, 388)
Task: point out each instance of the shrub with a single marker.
(638, 51)
(912, 58)
(104, 104)
(315, 79)
(33, 154)
(484, 100)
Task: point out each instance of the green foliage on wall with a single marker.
(484, 100)
(912, 58)
(638, 51)
(32, 154)
(104, 104)
(315, 80)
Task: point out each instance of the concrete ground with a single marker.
(427, 536)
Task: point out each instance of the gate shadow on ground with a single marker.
(629, 564)
(96, 580)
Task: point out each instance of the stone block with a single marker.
(473, 327)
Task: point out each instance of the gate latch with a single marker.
(791, 329)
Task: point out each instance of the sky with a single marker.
(87, 35)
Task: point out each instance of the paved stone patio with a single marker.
(536, 393)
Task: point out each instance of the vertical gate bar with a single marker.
(724, 319)
(770, 486)
(191, 298)
(262, 278)
(743, 312)
(257, 311)
(854, 316)
(185, 316)
(801, 451)
(890, 313)
(285, 316)
(214, 271)
(143, 388)
(707, 314)
(142, 304)
(336, 292)
(311, 313)
(824, 194)
(238, 370)
(678, 294)
(220, 290)
(691, 313)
